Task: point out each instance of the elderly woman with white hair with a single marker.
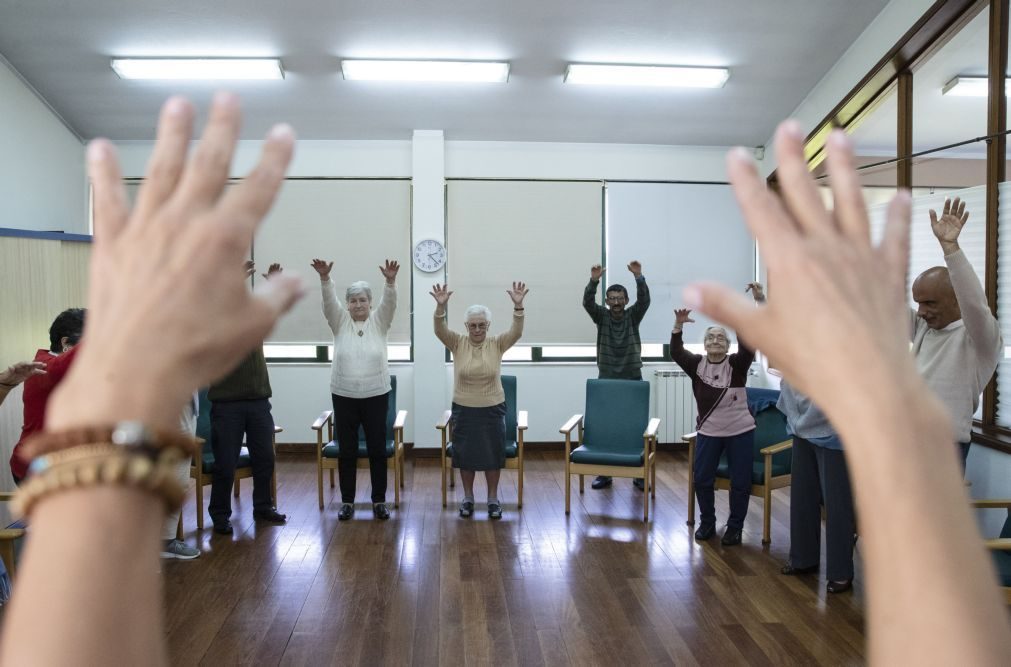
(724, 420)
(360, 379)
(478, 415)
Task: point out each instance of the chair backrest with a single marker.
(770, 425)
(391, 412)
(204, 423)
(509, 387)
(617, 414)
(1005, 532)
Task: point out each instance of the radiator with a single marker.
(674, 404)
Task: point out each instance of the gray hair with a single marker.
(726, 333)
(475, 312)
(356, 288)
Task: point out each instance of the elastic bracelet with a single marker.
(125, 435)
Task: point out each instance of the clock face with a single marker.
(429, 255)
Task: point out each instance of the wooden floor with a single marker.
(536, 588)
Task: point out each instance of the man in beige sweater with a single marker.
(956, 339)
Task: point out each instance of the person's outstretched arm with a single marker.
(590, 305)
(18, 373)
(688, 361)
(642, 301)
(333, 310)
(90, 571)
(932, 594)
(450, 339)
(388, 300)
(509, 338)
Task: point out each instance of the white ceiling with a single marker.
(777, 51)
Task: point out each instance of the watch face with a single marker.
(429, 255)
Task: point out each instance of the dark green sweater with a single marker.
(249, 380)
(619, 348)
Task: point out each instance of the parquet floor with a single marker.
(537, 588)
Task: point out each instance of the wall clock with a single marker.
(429, 255)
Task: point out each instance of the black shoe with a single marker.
(639, 483)
(839, 586)
(380, 511)
(346, 512)
(271, 515)
(731, 537)
(466, 508)
(601, 482)
(223, 527)
(790, 570)
(494, 511)
(705, 531)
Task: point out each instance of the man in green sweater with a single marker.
(619, 348)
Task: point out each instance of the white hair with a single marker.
(475, 312)
(356, 288)
(714, 327)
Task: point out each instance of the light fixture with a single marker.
(647, 75)
(426, 70)
(970, 86)
(198, 68)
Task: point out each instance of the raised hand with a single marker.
(635, 267)
(596, 271)
(390, 271)
(322, 267)
(948, 227)
(249, 268)
(21, 371)
(517, 293)
(441, 294)
(757, 291)
(682, 316)
(273, 270)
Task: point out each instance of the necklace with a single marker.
(361, 331)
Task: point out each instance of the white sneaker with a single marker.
(178, 549)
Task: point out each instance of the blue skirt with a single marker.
(478, 437)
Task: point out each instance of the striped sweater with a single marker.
(619, 348)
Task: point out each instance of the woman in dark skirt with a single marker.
(478, 418)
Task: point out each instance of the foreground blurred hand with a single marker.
(836, 325)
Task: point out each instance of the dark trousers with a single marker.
(708, 450)
(820, 476)
(370, 415)
(230, 421)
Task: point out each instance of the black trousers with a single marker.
(230, 421)
(708, 450)
(820, 476)
(370, 415)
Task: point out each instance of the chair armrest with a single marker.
(689, 437)
(398, 425)
(777, 448)
(574, 421)
(6, 495)
(441, 425)
(11, 533)
(652, 428)
(992, 504)
(1000, 544)
(321, 421)
(521, 420)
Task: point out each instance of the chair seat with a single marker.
(332, 451)
(1002, 561)
(512, 450)
(757, 471)
(605, 456)
(243, 462)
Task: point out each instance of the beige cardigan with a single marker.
(477, 369)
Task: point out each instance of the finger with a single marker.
(947, 206)
(110, 207)
(207, 172)
(894, 247)
(725, 306)
(799, 192)
(847, 193)
(933, 217)
(175, 128)
(247, 203)
(765, 217)
(276, 296)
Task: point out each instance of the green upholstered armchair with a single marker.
(615, 436)
(1000, 547)
(771, 467)
(328, 452)
(9, 538)
(202, 467)
(516, 424)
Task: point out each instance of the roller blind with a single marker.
(545, 233)
(1004, 302)
(681, 233)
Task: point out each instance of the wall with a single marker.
(42, 180)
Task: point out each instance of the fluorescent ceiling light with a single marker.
(970, 86)
(198, 68)
(647, 75)
(425, 70)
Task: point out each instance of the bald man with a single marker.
(956, 339)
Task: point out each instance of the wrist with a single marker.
(949, 247)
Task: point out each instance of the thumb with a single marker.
(722, 305)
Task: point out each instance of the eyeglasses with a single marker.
(477, 326)
(614, 299)
(716, 338)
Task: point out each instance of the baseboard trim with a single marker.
(433, 452)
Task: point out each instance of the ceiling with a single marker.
(777, 51)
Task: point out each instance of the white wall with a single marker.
(42, 179)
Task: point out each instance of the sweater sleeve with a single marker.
(449, 338)
(641, 304)
(688, 362)
(980, 324)
(333, 309)
(509, 338)
(592, 308)
(387, 307)
(741, 360)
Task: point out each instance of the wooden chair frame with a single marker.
(7, 538)
(445, 428)
(999, 544)
(396, 461)
(647, 471)
(763, 491)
